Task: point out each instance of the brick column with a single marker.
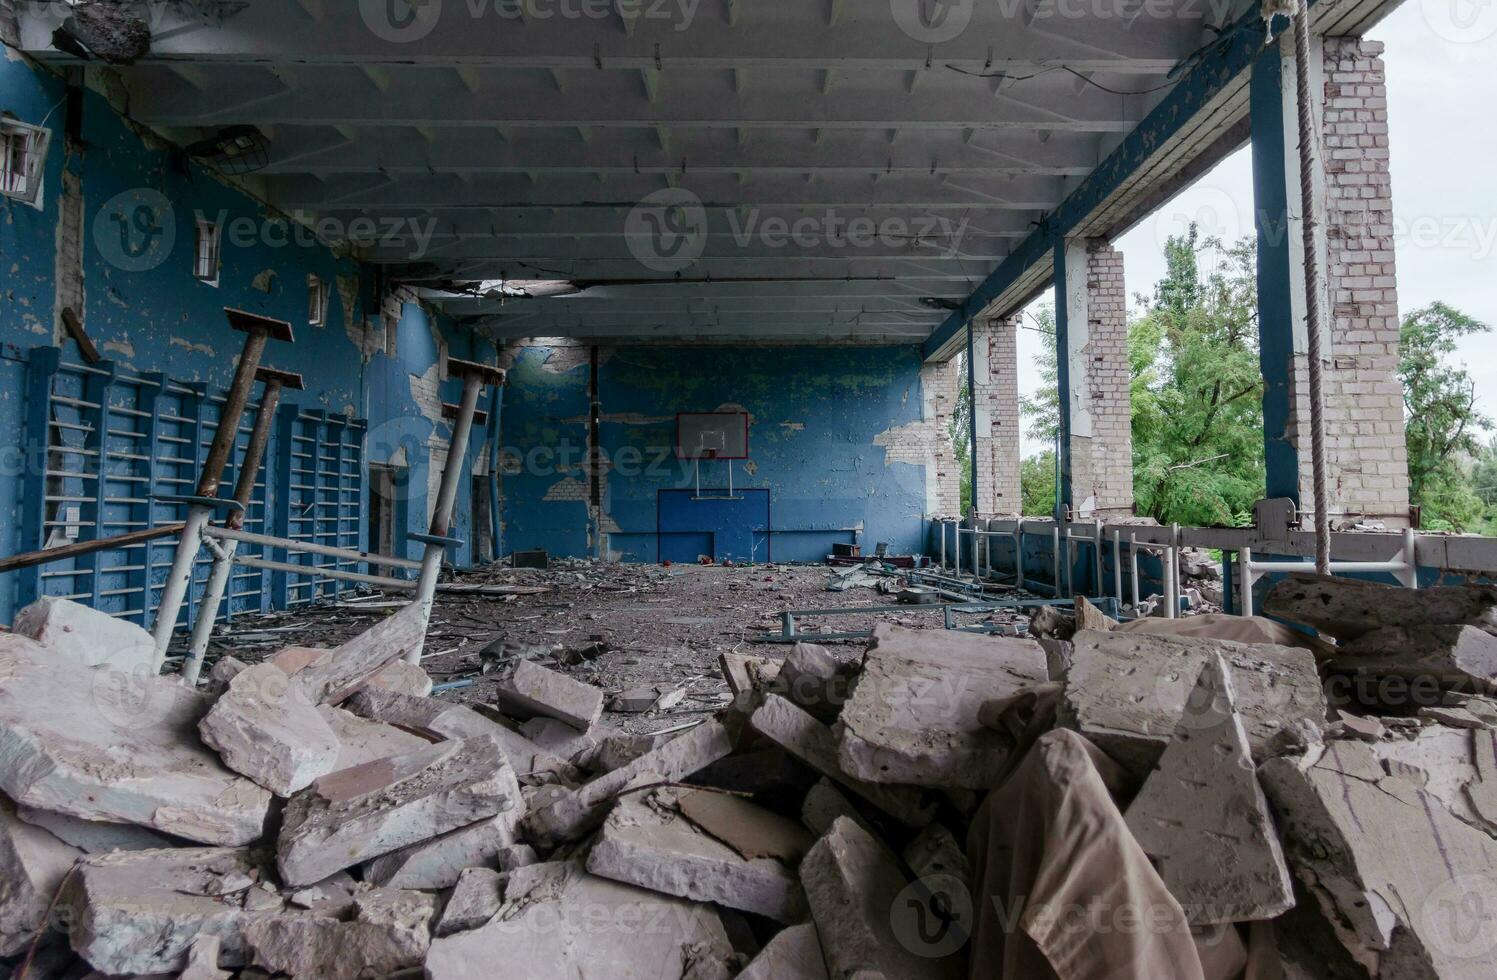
(939, 385)
(1366, 454)
(995, 405)
(1096, 384)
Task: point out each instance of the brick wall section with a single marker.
(996, 404)
(1102, 465)
(1367, 456)
(940, 384)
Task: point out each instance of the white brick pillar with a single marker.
(939, 386)
(1099, 396)
(1367, 459)
(995, 406)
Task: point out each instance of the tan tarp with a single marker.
(1063, 890)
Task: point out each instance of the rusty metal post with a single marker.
(244, 492)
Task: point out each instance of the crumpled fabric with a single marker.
(1062, 890)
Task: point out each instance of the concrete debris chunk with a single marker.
(1457, 767)
(1125, 692)
(852, 884)
(1350, 608)
(93, 836)
(87, 636)
(934, 852)
(823, 804)
(583, 809)
(361, 740)
(1202, 818)
(444, 720)
(202, 960)
(98, 745)
(32, 864)
(813, 679)
(912, 717)
(559, 923)
(1463, 658)
(535, 691)
(562, 739)
(438, 862)
(617, 749)
(388, 932)
(1406, 885)
(746, 674)
(749, 829)
(403, 678)
(267, 729)
(349, 817)
(793, 954)
(646, 842)
(814, 744)
(475, 900)
(336, 673)
(138, 912)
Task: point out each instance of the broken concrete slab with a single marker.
(334, 675)
(562, 739)
(814, 744)
(583, 809)
(912, 717)
(202, 960)
(1203, 820)
(348, 817)
(93, 836)
(793, 954)
(388, 932)
(1406, 885)
(1089, 617)
(852, 883)
(1462, 658)
(444, 720)
(437, 863)
(403, 678)
(813, 678)
(1126, 692)
(558, 923)
(265, 728)
(535, 691)
(87, 636)
(934, 852)
(749, 829)
(1350, 608)
(1457, 767)
(646, 842)
(75, 740)
(823, 804)
(474, 901)
(139, 912)
(617, 749)
(638, 700)
(361, 740)
(747, 674)
(32, 864)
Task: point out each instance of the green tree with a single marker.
(1043, 407)
(1037, 484)
(1198, 387)
(960, 432)
(1442, 426)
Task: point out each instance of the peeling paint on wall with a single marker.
(426, 392)
(193, 346)
(121, 347)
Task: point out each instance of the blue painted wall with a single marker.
(816, 413)
(154, 316)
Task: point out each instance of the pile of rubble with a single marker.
(1203, 798)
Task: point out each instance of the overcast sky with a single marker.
(1442, 70)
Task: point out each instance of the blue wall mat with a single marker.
(738, 525)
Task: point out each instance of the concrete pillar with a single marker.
(995, 411)
(1096, 417)
(1367, 457)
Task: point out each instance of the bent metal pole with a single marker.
(244, 492)
(474, 376)
(257, 330)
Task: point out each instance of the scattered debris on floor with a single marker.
(934, 804)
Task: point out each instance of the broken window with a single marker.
(317, 297)
(23, 151)
(205, 258)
